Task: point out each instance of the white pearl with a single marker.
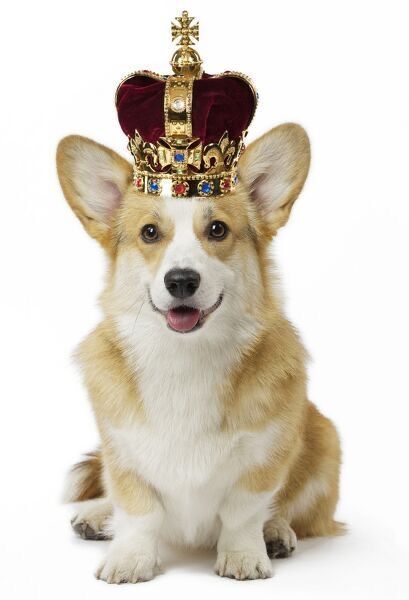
(178, 105)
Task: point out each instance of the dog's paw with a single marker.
(280, 539)
(127, 567)
(242, 565)
(91, 520)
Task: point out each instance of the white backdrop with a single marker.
(340, 69)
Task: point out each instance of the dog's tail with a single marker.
(85, 479)
(339, 528)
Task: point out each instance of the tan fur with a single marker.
(269, 383)
(125, 487)
(109, 380)
(136, 214)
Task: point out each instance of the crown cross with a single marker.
(185, 31)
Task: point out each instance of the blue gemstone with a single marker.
(179, 157)
(153, 186)
(235, 180)
(206, 188)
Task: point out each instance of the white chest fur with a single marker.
(192, 471)
(181, 449)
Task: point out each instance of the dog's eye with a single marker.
(218, 230)
(150, 233)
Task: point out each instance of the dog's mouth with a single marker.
(184, 318)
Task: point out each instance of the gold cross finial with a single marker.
(185, 31)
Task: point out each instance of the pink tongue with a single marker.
(183, 319)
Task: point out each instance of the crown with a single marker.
(186, 131)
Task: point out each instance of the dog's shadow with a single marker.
(203, 561)
(197, 560)
(174, 558)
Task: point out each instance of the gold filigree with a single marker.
(173, 156)
(223, 155)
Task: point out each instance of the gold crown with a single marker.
(183, 161)
(178, 163)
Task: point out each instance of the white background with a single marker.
(341, 70)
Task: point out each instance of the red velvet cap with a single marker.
(224, 102)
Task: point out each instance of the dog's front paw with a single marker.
(243, 565)
(127, 567)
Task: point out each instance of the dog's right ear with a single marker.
(94, 180)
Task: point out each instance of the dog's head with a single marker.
(196, 266)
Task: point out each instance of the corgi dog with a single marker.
(196, 378)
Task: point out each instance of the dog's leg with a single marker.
(92, 518)
(280, 539)
(133, 553)
(241, 550)
(310, 495)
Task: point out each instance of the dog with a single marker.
(196, 378)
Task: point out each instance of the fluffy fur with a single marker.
(207, 437)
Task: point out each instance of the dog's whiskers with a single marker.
(137, 315)
(128, 308)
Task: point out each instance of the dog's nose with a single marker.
(182, 283)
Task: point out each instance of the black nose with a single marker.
(182, 283)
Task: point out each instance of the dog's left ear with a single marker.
(274, 169)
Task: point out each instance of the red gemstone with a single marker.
(180, 189)
(226, 183)
(139, 182)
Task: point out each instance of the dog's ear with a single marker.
(274, 169)
(94, 180)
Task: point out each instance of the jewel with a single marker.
(225, 184)
(205, 188)
(179, 157)
(180, 189)
(139, 182)
(235, 180)
(153, 186)
(178, 105)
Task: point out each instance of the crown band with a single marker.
(177, 186)
(181, 156)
